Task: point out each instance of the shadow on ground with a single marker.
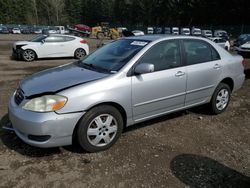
(198, 171)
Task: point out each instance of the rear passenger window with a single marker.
(54, 39)
(198, 51)
(68, 39)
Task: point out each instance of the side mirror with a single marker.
(43, 41)
(144, 68)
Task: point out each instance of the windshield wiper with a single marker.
(94, 67)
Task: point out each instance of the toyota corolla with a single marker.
(124, 82)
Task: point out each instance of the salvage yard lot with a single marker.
(189, 148)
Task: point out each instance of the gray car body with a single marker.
(138, 97)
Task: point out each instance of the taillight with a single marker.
(244, 62)
(83, 41)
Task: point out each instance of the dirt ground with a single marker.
(185, 149)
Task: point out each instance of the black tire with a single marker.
(100, 35)
(88, 120)
(80, 53)
(28, 55)
(214, 103)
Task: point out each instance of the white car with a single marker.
(196, 31)
(185, 31)
(206, 33)
(16, 31)
(51, 46)
(150, 30)
(138, 33)
(175, 30)
(221, 42)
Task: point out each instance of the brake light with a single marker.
(244, 62)
(83, 41)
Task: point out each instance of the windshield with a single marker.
(113, 56)
(38, 38)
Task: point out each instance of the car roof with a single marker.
(161, 36)
(60, 35)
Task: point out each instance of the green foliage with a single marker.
(126, 12)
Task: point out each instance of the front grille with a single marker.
(19, 96)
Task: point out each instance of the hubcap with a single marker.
(29, 55)
(102, 130)
(80, 53)
(222, 99)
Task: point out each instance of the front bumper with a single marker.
(43, 129)
(17, 53)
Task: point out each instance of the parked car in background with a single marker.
(60, 29)
(16, 31)
(125, 82)
(221, 33)
(38, 31)
(207, 33)
(242, 44)
(26, 30)
(175, 30)
(185, 31)
(221, 42)
(50, 46)
(53, 30)
(4, 30)
(150, 30)
(196, 31)
(158, 30)
(121, 29)
(138, 32)
(167, 30)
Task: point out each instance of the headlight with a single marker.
(46, 103)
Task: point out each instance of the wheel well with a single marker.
(229, 82)
(32, 50)
(116, 105)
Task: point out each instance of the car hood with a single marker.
(57, 79)
(22, 43)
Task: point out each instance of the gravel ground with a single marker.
(185, 149)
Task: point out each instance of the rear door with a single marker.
(164, 89)
(204, 69)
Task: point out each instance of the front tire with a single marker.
(99, 128)
(220, 99)
(28, 55)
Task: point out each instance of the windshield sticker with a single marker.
(139, 43)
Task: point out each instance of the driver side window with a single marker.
(163, 55)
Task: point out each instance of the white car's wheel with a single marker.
(80, 53)
(29, 55)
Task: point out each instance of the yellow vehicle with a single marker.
(103, 31)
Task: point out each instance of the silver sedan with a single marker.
(124, 82)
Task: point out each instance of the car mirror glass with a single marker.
(144, 68)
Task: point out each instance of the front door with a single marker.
(163, 90)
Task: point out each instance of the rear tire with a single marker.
(80, 53)
(99, 128)
(220, 99)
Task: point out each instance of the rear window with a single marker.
(198, 51)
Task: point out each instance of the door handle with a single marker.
(179, 74)
(217, 66)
